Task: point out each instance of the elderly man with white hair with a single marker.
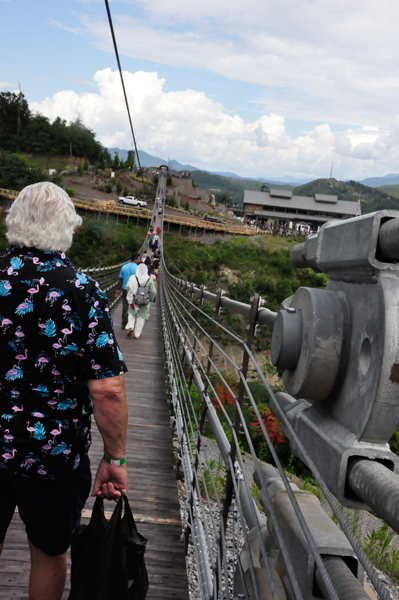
(59, 363)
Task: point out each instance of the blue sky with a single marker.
(264, 88)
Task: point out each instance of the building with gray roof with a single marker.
(281, 206)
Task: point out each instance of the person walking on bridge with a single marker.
(127, 271)
(138, 315)
(59, 363)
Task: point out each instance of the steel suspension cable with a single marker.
(123, 86)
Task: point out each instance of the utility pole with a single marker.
(19, 115)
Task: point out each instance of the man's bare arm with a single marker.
(110, 412)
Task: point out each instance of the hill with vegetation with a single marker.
(230, 188)
(27, 132)
(391, 190)
(371, 198)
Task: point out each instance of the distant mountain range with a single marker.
(147, 160)
(391, 179)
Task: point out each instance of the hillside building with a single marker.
(280, 208)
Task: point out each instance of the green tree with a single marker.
(14, 117)
(155, 180)
(80, 169)
(171, 202)
(187, 206)
(169, 181)
(116, 161)
(17, 172)
(125, 191)
(130, 158)
(119, 187)
(86, 165)
(264, 188)
(108, 189)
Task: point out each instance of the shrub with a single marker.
(187, 206)
(108, 189)
(80, 169)
(119, 187)
(86, 165)
(70, 191)
(126, 191)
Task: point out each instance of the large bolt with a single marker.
(287, 339)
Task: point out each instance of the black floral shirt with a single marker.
(55, 333)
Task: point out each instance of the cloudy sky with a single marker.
(262, 88)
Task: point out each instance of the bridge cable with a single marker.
(123, 86)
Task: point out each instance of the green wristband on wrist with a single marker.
(119, 462)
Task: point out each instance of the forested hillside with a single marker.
(371, 198)
(229, 187)
(25, 132)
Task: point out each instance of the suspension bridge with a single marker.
(335, 347)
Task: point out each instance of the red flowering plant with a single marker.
(271, 424)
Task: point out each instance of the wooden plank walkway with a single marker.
(153, 490)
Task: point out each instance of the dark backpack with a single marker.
(141, 297)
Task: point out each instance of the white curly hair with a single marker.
(43, 216)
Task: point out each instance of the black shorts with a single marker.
(50, 509)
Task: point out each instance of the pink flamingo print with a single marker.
(52, 297)
(74, 405)
(32, 291)
(52, 403)
(24, 307)
(65, 307)
(67, 451)
(90, 341)
(47, 447)
(67, 331)
(55, 373)
(16, 408)
(93, 325)
(20, 357)
(30, 429)
(7, 436)
(38, 415)
(42, 326)
(14, 373)
(10, 271)
(58, 392)
(41, 470)
(96, 367)
(5, 323)
(7, 455)
(41, 281)
(19, 333)
(28, 462)
(57, 345)
(36, 261)
(14, 393)
(76, 421)
(56, 432)
(41, 362)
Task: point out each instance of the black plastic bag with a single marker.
(108, 557)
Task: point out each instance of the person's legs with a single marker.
(124, 309)
(138, 328)
(47, 575)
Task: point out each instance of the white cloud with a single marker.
(190, 127)
(335, 62)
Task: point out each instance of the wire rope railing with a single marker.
(300, 552)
